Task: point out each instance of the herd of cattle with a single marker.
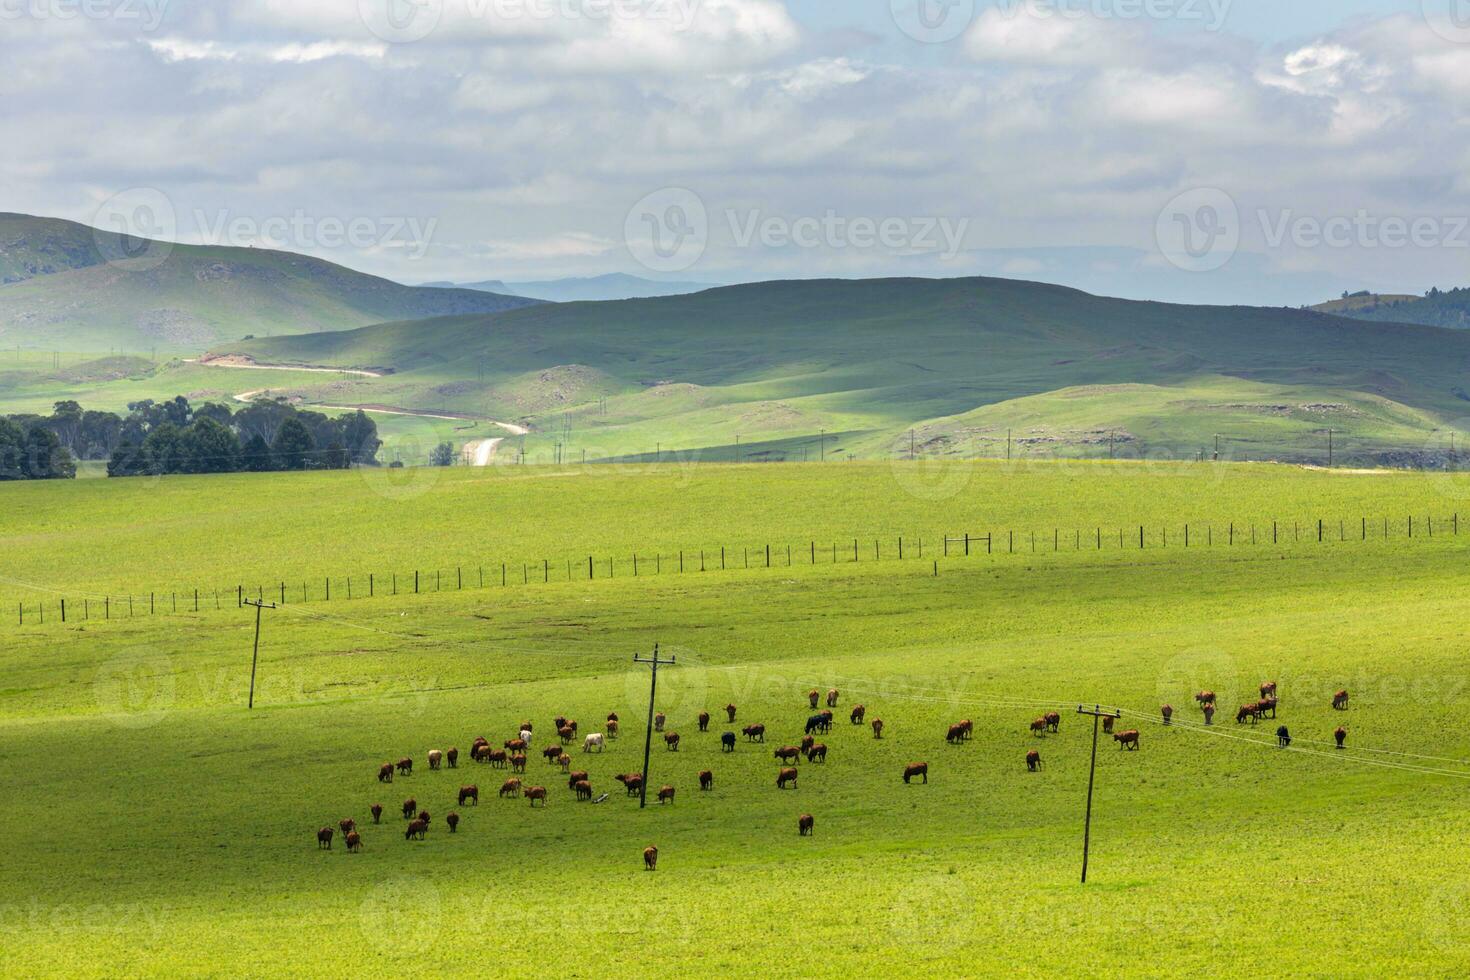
(514, 751)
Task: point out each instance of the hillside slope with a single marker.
(60, 292)
(1436, 309)
(770, 365)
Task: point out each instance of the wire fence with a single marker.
(62, 606)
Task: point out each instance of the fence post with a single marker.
(240, 596)
(768, 555)
(196, 600)
(370, 585)
(63, 610)
(415, 581)
(329, 589)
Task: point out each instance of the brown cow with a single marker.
(1340, 701)
(435, 757)
(612, 729)
(634, 784)
(535, 793)
(1127, 740)
(416, 828)
(1251, 711)
(916, 769)
(666, 794)
(1268, 689)
(424, 816)
(813, 696)
(1209, 714)
(471, 793)
(405, 767)
(324, 838)
(1053, 721)
(729, 714)
(496, 757)
(451, 819)
(1038, 727)
(385, 773)
(565, 761)
(511, 788)
(1266, 706)
(1033, 760)
(858, 711)
(566, 734)
(354, 841)
(807, 742)
(410, 807)
(377, 811)
(704, 721)
(559, 723)
(706, 779)
(817, 753)
(805, 824)
(551, 753)
(787, 753)
(1340, 735)
(1108, 724)
(650, 858)
(756, 733)
(612, 716)
(583, 789)
(518, 763)
(786, 776)
(671, 739)
(347, 824)
(956, 734)
(1205, 697)
(877, 727)
(832, 698)
(452, 757)
(658, 721)
(514, 745)
(1168, 712)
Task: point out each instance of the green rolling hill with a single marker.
(959, 363)
(1438, 308)
(58, 291)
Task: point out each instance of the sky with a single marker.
(1210, 151)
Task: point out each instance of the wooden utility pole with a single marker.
(255, 651)
(655, 663)
(1097, 714)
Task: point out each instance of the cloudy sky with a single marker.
(1249, 151)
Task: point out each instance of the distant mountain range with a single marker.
(615, 285)
(66, 286)
(1437, 308)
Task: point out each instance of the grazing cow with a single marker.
(787, 753)
(1209, 714)
(813, 696)
(807, 742)
(1127, 740)
(452, 820)
(1341, 736)
(479, 752)
(814, 723)
(405, 767)
(347, 824)
(666, 794)
(1038, 727)
(612, 729)
(573, 726)
(1266, 706)
(479, 740)
(805, 824)
(786, 776)
(729, 714)
(755, 733)
(1168, 712)
(514, 745)
(565, 733)
(324, 838)
(410, 807)
(354, 841)
(1340, 700)
(535, 793)
(704, 721)
(956, 734)
(658, 721)
(612, 716)
(583, 789)
(727, 742)
(435, 757)
(1053, 723)
(517, 763)
(496, 757)
(1248, 711)
(1033, 761)
(858, 711)
(416, 829)
(877, 727)
(916, 769)
(565, 761)
(1268, 689)
(593, 741)
(559, 723)
(671, 739)
(551, 753)
(826, 725)
(452, 757)
(817, 753)
(511, 788)
(471, 793)
(634, 784)
(706, 780)
(1205, 697)
(377, 811)
(832, 698)
(385, 773)
(576, 777)
(1283, 737)
(650, 858)
(424, 816)
(1108, 724)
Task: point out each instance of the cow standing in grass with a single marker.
(914, 769)
(1033, 761)
(324, 838)
(805, 824)
(1127, 740)
(1341, 736)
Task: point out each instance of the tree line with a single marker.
(173, 436)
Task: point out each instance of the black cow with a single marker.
(814, 723)
(1283, 737)
(727, 741)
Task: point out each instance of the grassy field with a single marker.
(158, 827)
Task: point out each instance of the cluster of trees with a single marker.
(177, 437)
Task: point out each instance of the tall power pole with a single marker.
(655, 662)
(1097, 715)
(255, 651)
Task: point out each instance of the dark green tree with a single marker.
(209, 447)
(45, 457)
(360, 436)
(293, 446)
(256, 456)
(164, 449)
(127, 459)
(442, 455)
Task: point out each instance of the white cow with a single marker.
(594, 739)
(526, 735)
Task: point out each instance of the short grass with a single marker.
(160, 828)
